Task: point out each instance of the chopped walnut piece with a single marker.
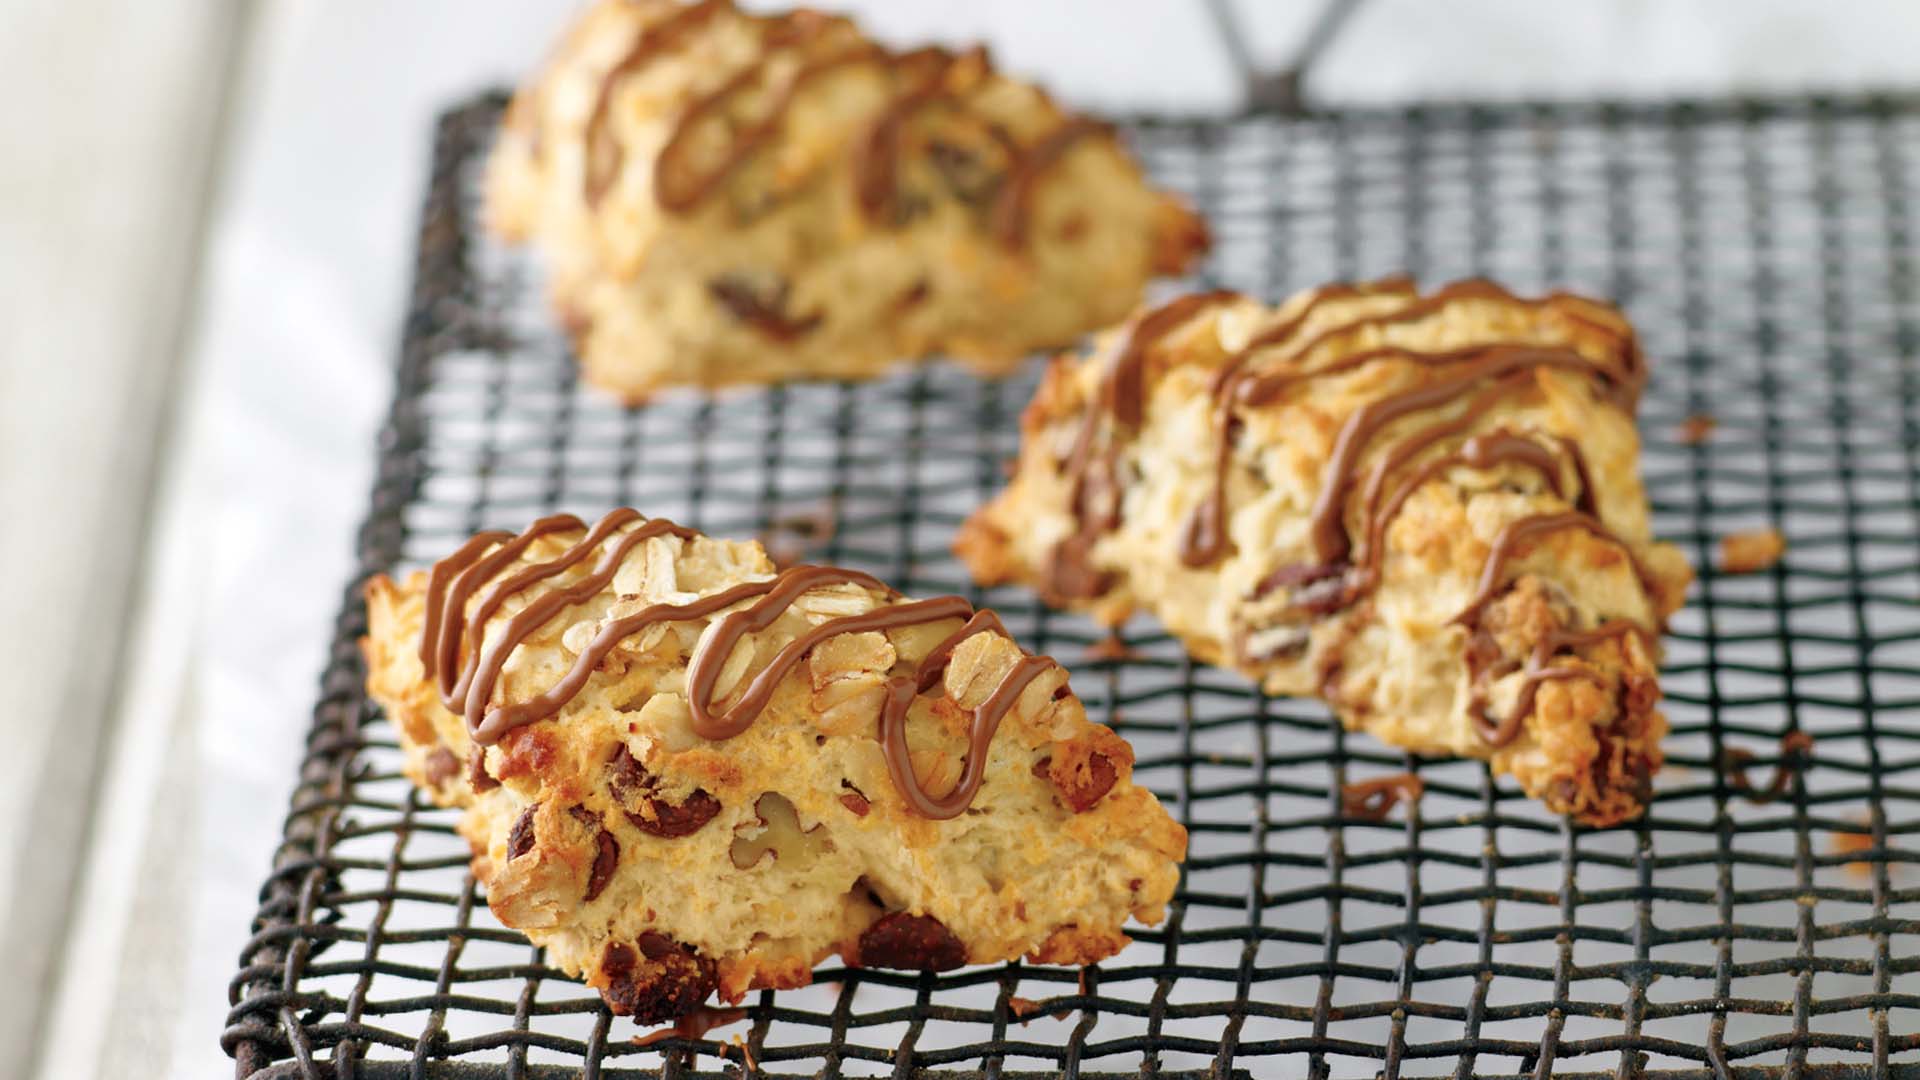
(1751, 551)
(779, 833)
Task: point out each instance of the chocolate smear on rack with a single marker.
(694, 1025)
(1796, 749)
(1373, 800)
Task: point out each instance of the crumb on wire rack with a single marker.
(1751, 551)
(1697, 428)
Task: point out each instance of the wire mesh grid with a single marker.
(1767, 251)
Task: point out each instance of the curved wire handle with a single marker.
(1283, 89)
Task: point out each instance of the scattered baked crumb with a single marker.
(1111, 647)
(1022, 1008)
(1696, 429)
(1751, 551)
(1849, 843)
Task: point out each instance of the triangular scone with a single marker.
(734, 198)
(684, 771)
(1424, 508)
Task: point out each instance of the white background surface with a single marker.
(292, 330)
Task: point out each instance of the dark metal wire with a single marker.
(1281, 89)
(1767, 251)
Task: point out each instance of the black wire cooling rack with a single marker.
(1767, 252)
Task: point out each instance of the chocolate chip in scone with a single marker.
(477, 773)
(655, 979)
(854, 800)
(1087, 786)
(912, 943)
(606, 855)
(635, 787)
(520, 840)
(762, 304)
(442, 766)
(1081, 788)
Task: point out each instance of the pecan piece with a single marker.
(910, 942)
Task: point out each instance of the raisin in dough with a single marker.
(1424, 508)
(733, 198)
(684, 772)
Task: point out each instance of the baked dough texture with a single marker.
(727, 198)
(662, 864)
(1424, 508)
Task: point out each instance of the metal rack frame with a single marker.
(1768, 252)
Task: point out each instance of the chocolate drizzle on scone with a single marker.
(1421, 507)
(1347, 566)
(603, 152)
(797, 49)
(468, 687)
(1091, 466)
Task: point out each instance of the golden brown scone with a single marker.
(1424, 508)
(684, 772)
(733, 198)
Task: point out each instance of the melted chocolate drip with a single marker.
(450, 627)
(1237, 384)
(678, 187)
(604, 154)
(1015, 204)
(1091, 465)
(1509, 538)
